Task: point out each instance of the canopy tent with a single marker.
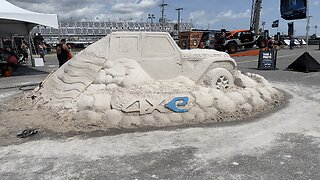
(15, 20)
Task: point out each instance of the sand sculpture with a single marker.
(139, 79)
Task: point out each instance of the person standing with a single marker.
(201, 46)
(12, 58)
(62, 52)
(291, 43)
(24, 51)
(42, 50)
(270, 43)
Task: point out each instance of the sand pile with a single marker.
(92, 90)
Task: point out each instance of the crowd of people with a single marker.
(21, 54)
(11, 58)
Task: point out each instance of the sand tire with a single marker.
(219, 78)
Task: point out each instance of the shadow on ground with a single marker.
(26, 70)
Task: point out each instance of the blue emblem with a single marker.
(177, 102)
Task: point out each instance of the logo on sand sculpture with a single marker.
(147, 106)
(177, 102)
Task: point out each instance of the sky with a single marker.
(204, 14)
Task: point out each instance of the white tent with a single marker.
(15, 20)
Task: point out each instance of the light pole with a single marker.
(126, 27)
(263, 24)
(315, 29)
(162, 5)
(179, 13)
(307, 26)
(151, 17)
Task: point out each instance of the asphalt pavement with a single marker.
(284, 59)
(26, 77)
(284, 144)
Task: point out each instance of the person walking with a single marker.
(62, 52)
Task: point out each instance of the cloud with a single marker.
(128, 8)
(88, 9)
(232, 15)
(202, 17)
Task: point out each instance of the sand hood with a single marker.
(200, 54)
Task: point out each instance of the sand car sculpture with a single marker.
(161, 58)
(138, 78)
(158, 56)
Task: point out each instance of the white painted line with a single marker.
(312, 75)
(52, 66)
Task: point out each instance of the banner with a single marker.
(293, 9)
(290, 29)
(275, 24)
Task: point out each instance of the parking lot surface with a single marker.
(283, 144)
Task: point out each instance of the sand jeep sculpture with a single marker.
(137, 79)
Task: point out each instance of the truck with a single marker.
(236, 39)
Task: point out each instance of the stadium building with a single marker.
(86, 33)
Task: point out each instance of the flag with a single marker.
(275, 23)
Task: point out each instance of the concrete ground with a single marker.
(284, 144)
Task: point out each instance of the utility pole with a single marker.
(162, 5)
(179, 11)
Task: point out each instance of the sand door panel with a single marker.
(160, 57)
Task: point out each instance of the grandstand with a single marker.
(89, 32)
